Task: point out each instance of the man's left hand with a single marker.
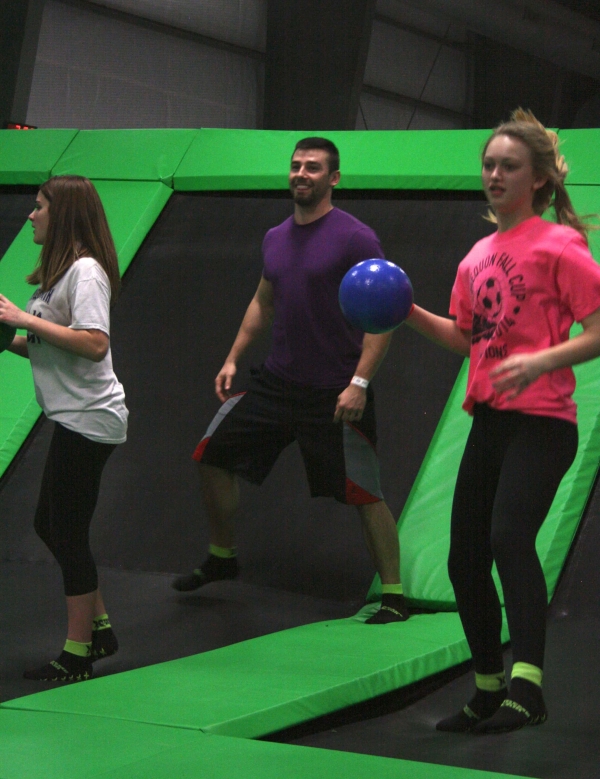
(350, 404)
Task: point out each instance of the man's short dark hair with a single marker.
(322, 143)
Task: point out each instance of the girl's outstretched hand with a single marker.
(9, 313)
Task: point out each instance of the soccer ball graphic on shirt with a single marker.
(488, 308)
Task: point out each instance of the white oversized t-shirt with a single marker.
(82, 395)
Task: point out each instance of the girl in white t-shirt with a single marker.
(515, 297)
(68, 324)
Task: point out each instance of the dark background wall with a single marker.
(315, 60)
(300, 64)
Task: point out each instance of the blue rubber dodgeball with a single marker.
(376, 296)
(7, 333)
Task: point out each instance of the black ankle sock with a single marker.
(481, 706)
(66, 668)
(393, 609)
(524, 705)
(104, 643)
(213, 569)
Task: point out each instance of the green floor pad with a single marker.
(260, 686)
(219, 757)
(56, 746)
(131, 209)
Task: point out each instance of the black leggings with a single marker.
(68, 497)
(511, 468)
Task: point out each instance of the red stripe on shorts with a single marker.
(356, 496)
(199, 450)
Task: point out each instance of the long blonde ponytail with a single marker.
(548, 163)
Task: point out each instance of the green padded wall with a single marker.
(580, 148)
(18, 409)
(27, 157)
(131, 155)
(259, 159)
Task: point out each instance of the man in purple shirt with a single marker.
(313, 387)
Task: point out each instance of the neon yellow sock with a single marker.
(222, 551)
(78, 648)
(490, 682)
(391, 589)
(530, 673)
(101, 622)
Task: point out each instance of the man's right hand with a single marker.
(224, 381)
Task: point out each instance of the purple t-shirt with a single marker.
(312, 343)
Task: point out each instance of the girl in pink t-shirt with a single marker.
(515, 297)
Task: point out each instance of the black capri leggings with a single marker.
(68, 497)
(511, 468)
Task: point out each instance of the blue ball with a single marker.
(376, 296)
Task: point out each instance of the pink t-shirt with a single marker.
(520, 291)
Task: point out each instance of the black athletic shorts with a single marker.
(251, 429)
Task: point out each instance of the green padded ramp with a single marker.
(18, 407)
(132, 208)
(27, 157)
(133, 155)
(580, 148)
(33, 744)
(260, 686)
(259, 159)
(424, 526)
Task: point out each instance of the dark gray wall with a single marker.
(315, 61)
(20, 22)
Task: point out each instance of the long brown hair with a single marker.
(77, 227)
(547, 162)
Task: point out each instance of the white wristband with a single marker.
(360, 382)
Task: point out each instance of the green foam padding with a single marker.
(260, 686)
(424, 525)
(55, 746)
(18, 407)
(28, 156)
(131, 208)
(260, 159)
(586, 200)
(580, 148)
(133, 155)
